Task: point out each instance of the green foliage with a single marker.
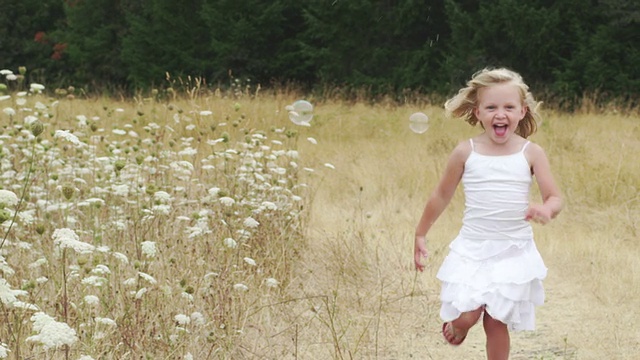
(25, 35)
(381, 45)
(567, 48)
(93, 34)
(163, 37)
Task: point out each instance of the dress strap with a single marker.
(525, 146)
(472, 148)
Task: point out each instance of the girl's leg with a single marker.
(458, 328)
(498, 341)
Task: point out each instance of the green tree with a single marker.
(256, 39)
(606, 57)
(92, 37)
(383, 45)
(25, 35)
(165, 36)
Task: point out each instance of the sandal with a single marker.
(455, 341)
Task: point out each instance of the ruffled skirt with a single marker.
(504, 276)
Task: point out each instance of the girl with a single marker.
(493, 269)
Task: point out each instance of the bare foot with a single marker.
(452, 335)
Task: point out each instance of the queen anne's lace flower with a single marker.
(51, 333)
(8, 198)
(66, 135)
(67, 238)
(149, 248)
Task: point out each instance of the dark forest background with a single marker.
(564, 48)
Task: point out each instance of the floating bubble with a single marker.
(300, 112)
(418, 122)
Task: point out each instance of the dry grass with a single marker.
(364, 216)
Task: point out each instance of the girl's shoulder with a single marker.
(534, 152)
(462, 151)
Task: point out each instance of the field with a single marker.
(211, 227)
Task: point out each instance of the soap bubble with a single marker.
(418, 122)
(300, 112)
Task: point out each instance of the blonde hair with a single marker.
(462, 105)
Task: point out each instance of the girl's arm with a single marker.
(440, 198)
(551, 198)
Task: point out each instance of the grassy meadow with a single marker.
(209, 226)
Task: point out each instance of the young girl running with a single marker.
(493, 270)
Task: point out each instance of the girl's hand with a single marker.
(419, 252)
(538, 213)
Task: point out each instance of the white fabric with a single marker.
(494, 261)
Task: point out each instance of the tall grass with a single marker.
(208, 226)
(146, 228)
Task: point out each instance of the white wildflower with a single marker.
(86, 357)
(119, 132)
(35, 87)
(182, 319)
(230, 243)
(38, 263)
(162, 196)
(67, 238)
(5, 97)
(101, 269)
(68, 136)
(93, 280)
(186, 296)
(250, 222)
(25, 306)
(4, 351)
(161, 209)
(209, 276)
(250, 261)
(8, 198)
(197, 318)
(140, 293)
(227, 201)
(240, 287)
(279, 170)
(312, 140)
(122, 257)
(271, 283)
(105, 321)
(269, 205)
(330, 166)
(7, 295)
(147, 277)
(188, 356)
(82, 120)
(91, 300)
(149, 248)
(103, 249)
(29, 119)
(9, 111)
(51, 334)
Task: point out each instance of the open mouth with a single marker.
(500, 129)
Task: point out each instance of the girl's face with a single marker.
(499, 110)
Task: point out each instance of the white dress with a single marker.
(494, 262)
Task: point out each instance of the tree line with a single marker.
(566, 48)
